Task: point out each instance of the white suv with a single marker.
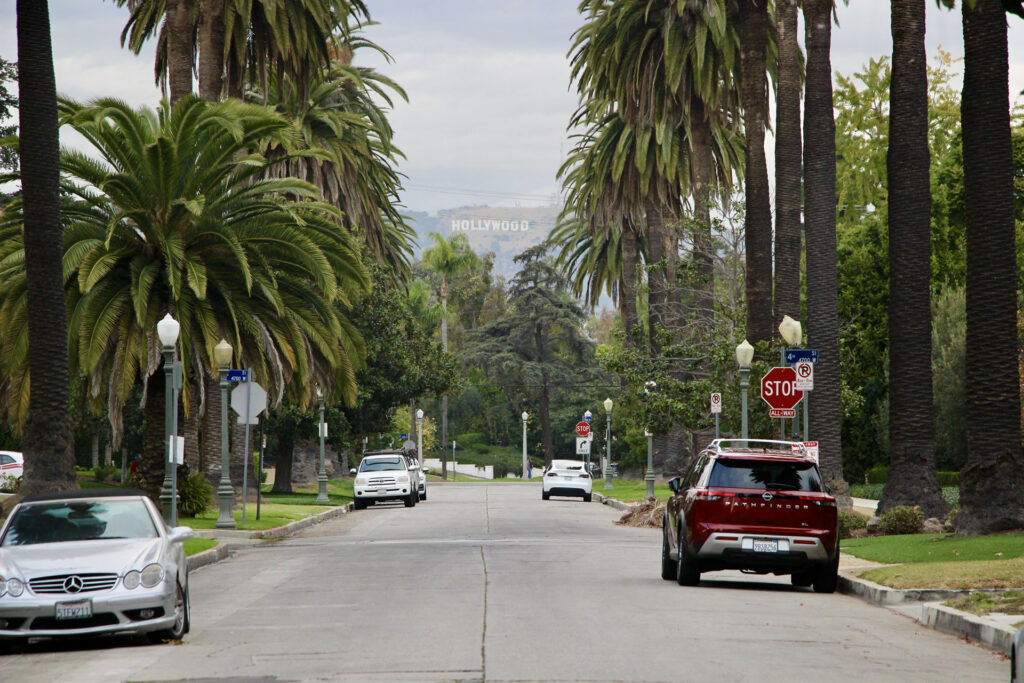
(385, 475)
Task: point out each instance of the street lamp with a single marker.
(525, 417)
(608, 442)
(167, 329)
(792, 335)
(419, 436)
(321, 478)
(225, 494)
(649, 387)
(744, 354)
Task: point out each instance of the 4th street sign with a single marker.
(238, 375)
(797, 355)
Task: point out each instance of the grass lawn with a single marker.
(1010, 602)
(630, 490)
(272, 515)
(943, 561)
(339, 492)
(194, 546)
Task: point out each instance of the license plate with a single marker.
(81, 609)
(765, 546)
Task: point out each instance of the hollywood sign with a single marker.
(488, 225)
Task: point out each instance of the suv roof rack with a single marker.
(793, 447)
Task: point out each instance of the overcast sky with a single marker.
(488, 82)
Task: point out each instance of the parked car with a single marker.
(421, 475)
(90, 562)
(758, 506)
(567, 478)
(1017, 657)
(386, 475)
(12, 467)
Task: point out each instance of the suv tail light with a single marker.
(713, 495)
(827, 503)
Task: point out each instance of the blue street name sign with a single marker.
(238, 375)
(403, 436)
(797, 355)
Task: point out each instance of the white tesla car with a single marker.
(568, 478)
(82, 563)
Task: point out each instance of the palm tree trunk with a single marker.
(150, 474)
(703, 244)
(912, 480)
(788, 166)
(47, 442)
(657, 292)
(283, 459)
(993, 476)
(211, 49)
(179, 47)
(190, 429)
(753, 18)
(820, 218)
(211, 456)
(545, 423)
(627, 285)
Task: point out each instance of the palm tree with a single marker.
(175, 219)
(912, 479)
(788, 166)
(820, 220)
(753, 27)
(993, 474)
(449, 258)
(47, 443)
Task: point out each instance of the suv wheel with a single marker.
(411, 500)
(668, 565)
(687, 571)
(804, 578)
(545, 495)
(359, 504)
(587, 497)
(828, 577)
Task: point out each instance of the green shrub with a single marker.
(104, 472)
(871, 491)
(901, 519)
(481, 448)
(951, 494)
(879, 474)
(9, 484)
(470, 439)
(850, 522)
(948, 478)
(195, 495)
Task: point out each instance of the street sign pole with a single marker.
(245, 452)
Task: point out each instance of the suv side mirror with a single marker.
(673, 484)
(352, 471)
(828, 490)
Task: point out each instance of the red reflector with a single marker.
(804, 542)
(584, 476)
(552, 474)
(728, 538)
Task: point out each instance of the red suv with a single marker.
(757, 506)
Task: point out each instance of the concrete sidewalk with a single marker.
(925, 606)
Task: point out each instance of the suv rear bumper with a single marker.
(732, 550)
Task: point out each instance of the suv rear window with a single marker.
(765, 474)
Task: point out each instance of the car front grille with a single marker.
(382, 481)
(60, 583)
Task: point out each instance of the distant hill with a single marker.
(506, 231)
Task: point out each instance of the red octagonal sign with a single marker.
(778, 389)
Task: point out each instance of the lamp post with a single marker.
(608, 458)
(167, 329)
(744, 355)
(649, 387)
(525, 417)
(791, 334)
(321, 478)
(419, 436)
(225, 494)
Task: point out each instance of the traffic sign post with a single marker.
(582, 428)
(716, 410)
(582, 445)
(804, 375)
(248, 400)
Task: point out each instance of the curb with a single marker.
(214, 554)
(981, 630)
(617, 504)
(300, 524)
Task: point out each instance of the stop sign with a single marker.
(582, 428)
(778, 389)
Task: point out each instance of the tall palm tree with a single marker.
(912, 479)
(49, 464)
(449, 258)
(993, 475)
(174, 218)
(753, 27)
(788, 165)
(820, 220)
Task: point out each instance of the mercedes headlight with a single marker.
(14, 587)
(131, 580)
(152, 575)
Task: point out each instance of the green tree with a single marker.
(8, 105)
(47, 442)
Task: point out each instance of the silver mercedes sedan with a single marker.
(89, 562)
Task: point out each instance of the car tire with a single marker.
(410, 501)
(687, 569)
(359, 504)
(668, 565)
(424, 496)
(182, 621)
(587, 497)
(827, 579)
(545, 495)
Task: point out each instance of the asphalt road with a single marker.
(487, 582)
